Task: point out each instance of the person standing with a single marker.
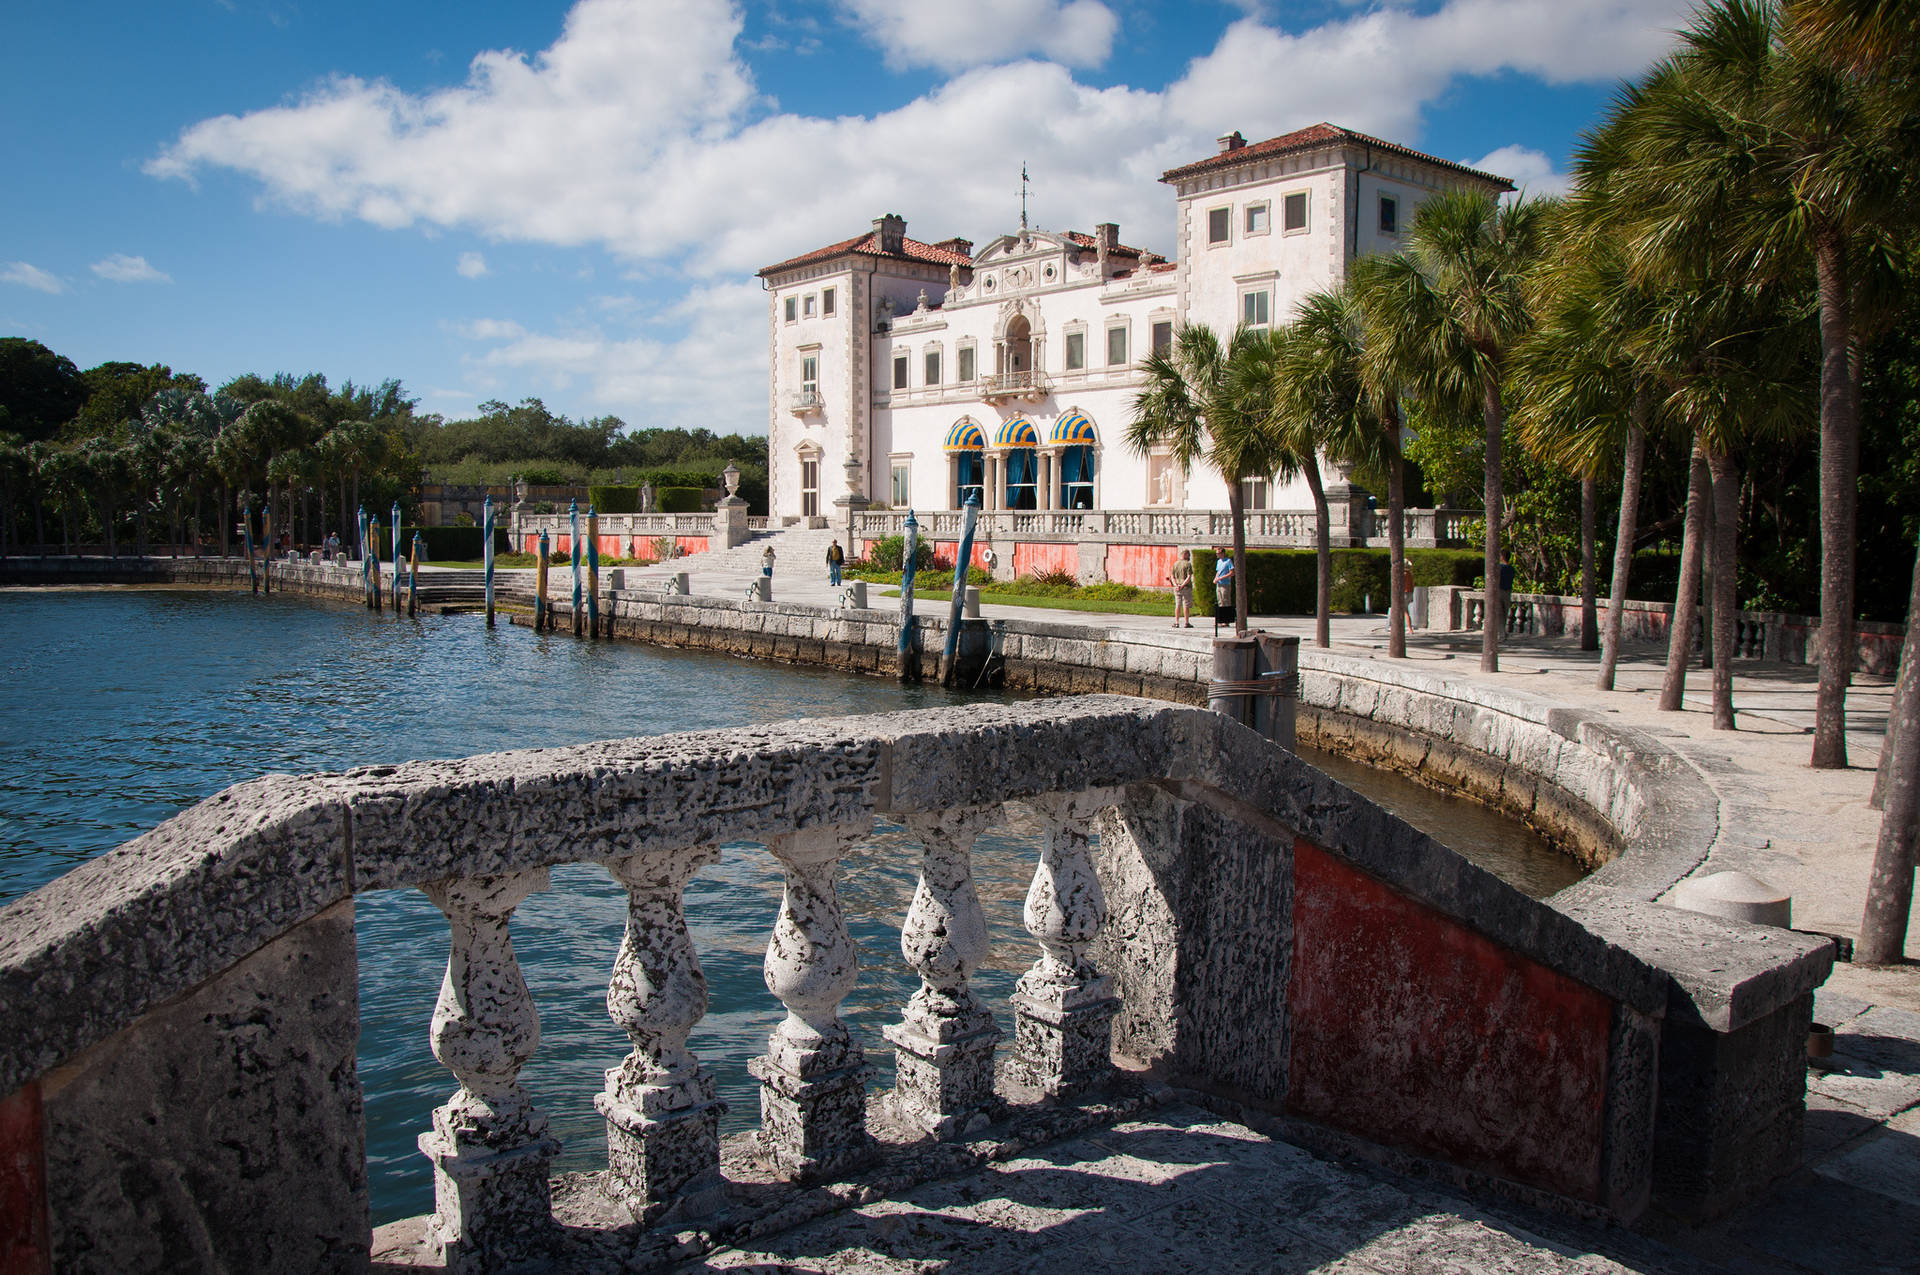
(1222, 578)
(766, 563)
(1182, 580)
(836, 559)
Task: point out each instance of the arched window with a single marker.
(966, 442)
(1017, 438)
(1079, 442)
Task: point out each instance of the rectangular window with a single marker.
(966, 363)
(1253, 493)
(807, 306)
(793, 306)
(1253, 308)
(1257, 219)
(902, 486)
(1296, 211)
(1389, 215)
(826, 302)
(933, 367)
(1219, 224)
(810, 488)
(1116, 347)
(899, 371)
(1076, 351)
(1163, 336)
(810, 373)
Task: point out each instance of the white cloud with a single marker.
(31, 276)
(701, 374)
(120, 268)
(933, 33)
(491, 330)
(472, 265)
(1529, 169)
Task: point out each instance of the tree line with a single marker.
(1704, 320)
(116, 453)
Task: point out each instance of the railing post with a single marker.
(663, 1121)
(489, 1144)
(813, 1077)
(1063, 1007)
(943, 1065)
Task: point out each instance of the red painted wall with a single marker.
(1145, 565)
(612, 546)
(23, 1185)
(691, 544)
(1032, 559)
(945, 551)
(1410, 1029)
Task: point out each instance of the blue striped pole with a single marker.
(906, 598)
(398, 556)
(373, 558)
(486, 521)
(960, 564)
(593, 572)
(573, 518)
(360, 543)
(246, 532)
(413, 578)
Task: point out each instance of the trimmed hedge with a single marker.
(679, 500)
(614, 500)
(450, 544)
(1284, 581)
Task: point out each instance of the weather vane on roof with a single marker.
(1023, 197)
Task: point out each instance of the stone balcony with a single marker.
(1204, 906)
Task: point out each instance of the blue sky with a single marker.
(495, 200)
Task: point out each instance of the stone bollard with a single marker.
(761, 589)
(616, 579)
(1234, 662)
(1278, 665)
(854, 595)
(678, 583)
(1736, 897)
(971, 610)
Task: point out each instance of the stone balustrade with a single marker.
(1191, 882)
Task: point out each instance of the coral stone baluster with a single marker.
(813, 1077)
(943, 1069)
(663, 1122)
(1063, 1007)
(489, 1144)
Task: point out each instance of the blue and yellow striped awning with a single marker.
(966, 436)
(1018, 432)
(1074, 428)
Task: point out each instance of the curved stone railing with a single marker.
(1224, 933)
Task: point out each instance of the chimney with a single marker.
(1108, 233)
(891, 231)
(962, 246)
(1231, 142)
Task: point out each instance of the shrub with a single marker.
(614, 500)
(663, 547)
(463, 519)
(679, 500)
(1284, 581)
(888, 553)
(1067, 578)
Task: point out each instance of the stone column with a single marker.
(489, 1144)
(1045, 479)
(991, 480)
(943, 1065)
(1063, 1006)
(813, 1077)
(663, 1121)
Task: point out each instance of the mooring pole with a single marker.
(413, 578)
(961, 562)
(246, 535)
(541, 619)
(360, 545)
(373, 559)
(266, 547)
(909, 670)
(486, 521)
(573, 546)
(398, 556)
(593, 573)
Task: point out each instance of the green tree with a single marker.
(40, 391)
(1450, 306)
(1196, 404)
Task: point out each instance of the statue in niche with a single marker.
(921, 307)
(953, 277)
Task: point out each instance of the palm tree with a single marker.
(1449, 308)
(1196, 404)
(1756, 158)
(1277, 375)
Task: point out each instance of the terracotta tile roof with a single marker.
(868, 245)
(1310, 137)
(1118, 250)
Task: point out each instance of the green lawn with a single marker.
(1117, 606)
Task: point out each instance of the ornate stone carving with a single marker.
(943, 1071)
(813, 1077)
(1063, 1006)
(663, 1121)
(489, 1144)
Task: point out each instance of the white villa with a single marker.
(906, 374)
